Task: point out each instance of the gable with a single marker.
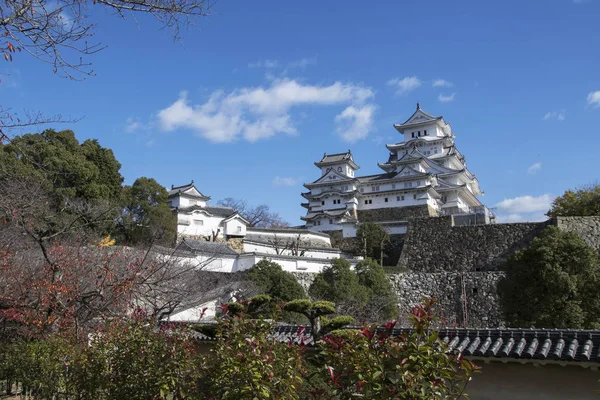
(418, 117)
(193, 192)
(332, 176)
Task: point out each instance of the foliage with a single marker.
(274, 281)
(256, 366)
(131, 359)
(584, 201)
(373, 364)
(259, 216)
(382, 298)
(553, 283)
(373, 239)
(146, 218)
(364, 293)
(69, 169)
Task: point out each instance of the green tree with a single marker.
(146, 217)
(275, 282)
(66, 167)
(584, 201)
(553, 283)
(373, 238)
(383, 301)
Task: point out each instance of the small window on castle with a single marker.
(370, 201)
(393, 186)
(239, 229)
(419, 134)
(413, 134)
(414, 196)
(198, 222)
(366, 201)
(425, 132)
(339, 169)
(402, 198)
(386, 199)
(323, 202)
(330, 222)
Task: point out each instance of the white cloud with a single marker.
(135, 125)
(446, 99)
(593, 99)
(274, 64)
(442, 83)
(303, 62)
(264, 64)
(526, 204)
(524, 208)
(557, 115)
(534, 168)
(355, 123)
(405, 84)
(285, 181)
(257, 112)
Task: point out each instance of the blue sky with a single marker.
(257, 92)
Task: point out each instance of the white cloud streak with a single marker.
(526, 204)
(285, 181)
(534, 168)
(593, 99)
(555, 115)
(442, 83)
(257, 113)
(524, 208)
(405, 85)
(446, 99)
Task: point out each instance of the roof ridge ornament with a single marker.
(418, 106)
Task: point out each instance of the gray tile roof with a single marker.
(519, 344)
(180, 189)
(332, 158)
(214, 248)
(214, 210)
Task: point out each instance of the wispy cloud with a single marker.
(264, 64)
(446, 99)
(524, 208)
(534, 168)
(526, 204)
(442, 83)
(137, 125)
(405, 85)
(285, 181)
(555, 115)
(593, 99)
(355, 123)
(302, 63)
(255, 113)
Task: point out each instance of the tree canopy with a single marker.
(373, 238)
(146, 217)
(363, 293)
(272, 280)
(553, 283)
(65, 166)
(584, 201)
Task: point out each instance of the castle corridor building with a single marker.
(425, 175)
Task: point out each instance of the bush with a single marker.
(554, 283)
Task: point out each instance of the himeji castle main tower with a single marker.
(425, 175)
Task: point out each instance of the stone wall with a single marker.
(586, 227)
(395, 213)
(435, 245)
(482, 305)
(479, 296)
